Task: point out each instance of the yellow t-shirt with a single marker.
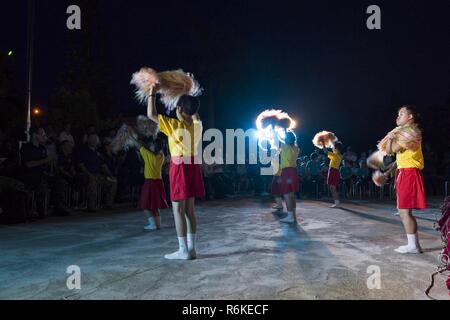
(289, 155)
(152, 163)
(179, 133)
(411, 159)
(335, 160)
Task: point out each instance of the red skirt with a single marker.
(286, 183)
(410, 189)
(333, 177)
(153, 195)
(186, 179)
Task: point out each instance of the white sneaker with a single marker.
(335, 206)
(288, 219)
(397, 214)
(408, 250)
(151, 224)
(150, 227)
(275, 207)
(179, 255)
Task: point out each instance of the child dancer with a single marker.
(185, 175)
(406, 142)
(153, 194)
(333, 172)
(287, 184)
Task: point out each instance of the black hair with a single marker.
(290, 138)
(412, 110)
(339, 147)
(189, 105)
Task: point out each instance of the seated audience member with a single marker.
(66, 135)
(66, 167)
(362, 174)
(94, 172)
(346, 174)
(89, 130)
(35, 167)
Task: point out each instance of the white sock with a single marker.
(412, 240)
(151, 224)
(337, 202)
(191, 241)
(182, 242)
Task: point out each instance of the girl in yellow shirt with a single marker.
(287, 183)
(409, 183)
(185, 174)
(333, 178)
(153, 194)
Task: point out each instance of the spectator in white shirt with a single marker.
(65, 135)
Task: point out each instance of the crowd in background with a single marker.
(54, 165)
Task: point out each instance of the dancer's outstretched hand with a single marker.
(155, 88)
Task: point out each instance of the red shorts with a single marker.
(153, 195)
(286, 183)
(410, 189)
(186, 179)
(333, 177)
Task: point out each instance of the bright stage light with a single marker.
(36, 111)
(272, 126)
(10, 53)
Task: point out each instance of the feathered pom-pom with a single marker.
(175, 84)
(172, 85)
(125, 139)
(379, 178)
(275, 118)
(146, 127)
(144, 80)
(324, 138)
(376, 160)
(409, 137)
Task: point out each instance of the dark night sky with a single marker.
(317, 60)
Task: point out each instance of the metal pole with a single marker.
(31, 15)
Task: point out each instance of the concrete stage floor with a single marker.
(244, 253)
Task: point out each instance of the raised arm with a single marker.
(151, 105)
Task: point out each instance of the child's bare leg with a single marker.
(290, 206)
(157, 218)
(191, 222)
(179, 208)
(410, 225)
(335, 195)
